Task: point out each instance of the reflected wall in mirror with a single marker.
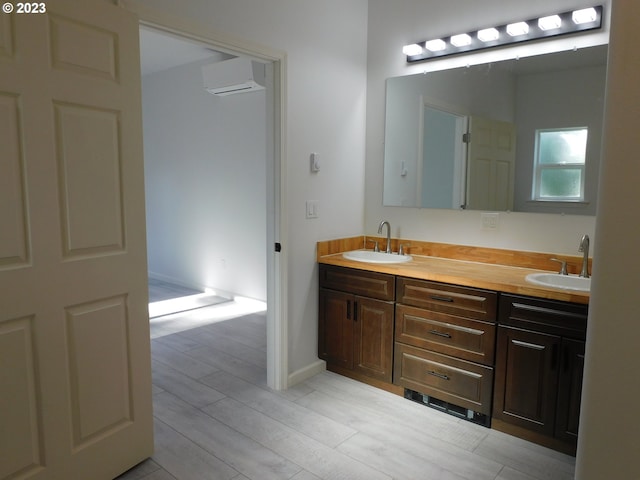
(468, 137)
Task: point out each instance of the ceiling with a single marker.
(161, 51)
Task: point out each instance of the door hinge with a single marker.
(278, 247)
(466, 138)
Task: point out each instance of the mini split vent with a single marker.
(237, 75)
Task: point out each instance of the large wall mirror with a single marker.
(518, 135)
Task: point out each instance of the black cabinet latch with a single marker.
(278, 247)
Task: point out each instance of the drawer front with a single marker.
(441, 297)
(448, 334)
(368, 284)
(450, 379)
(548, 316)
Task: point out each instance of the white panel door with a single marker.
(75, 376)
(491, 166)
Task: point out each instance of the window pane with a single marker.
(560, 182)
(562, 146)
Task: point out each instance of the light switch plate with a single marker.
(312, 209)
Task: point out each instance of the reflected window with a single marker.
(560, 164)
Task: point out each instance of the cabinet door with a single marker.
(335, 328)
(570, 389)
(373, 338)
(526, 379)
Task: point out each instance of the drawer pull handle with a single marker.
(439, 375)
(533, 346)
(442, 298)
(440, 334)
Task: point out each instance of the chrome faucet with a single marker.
(584, 247)
(382, 224)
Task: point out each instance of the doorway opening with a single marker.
(235, 207)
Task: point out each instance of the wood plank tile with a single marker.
(252, 334)
(525, 457)
(230, 364)
(180, 361)
(411, 458)
(180, 385)
(509, 473)
(235, 449)
(178, 342)
(141, 470)
(310, 454)
(297, 417)
(304, 475)
(229, 344)
(160, 475)
(186, 460)
(388, 409)
(435, 447)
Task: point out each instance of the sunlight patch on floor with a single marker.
(199, 313)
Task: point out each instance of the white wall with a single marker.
(394, 24)
(609, 427)
(205, 175)
(325, 43)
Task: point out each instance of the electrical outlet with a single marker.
(490, 221)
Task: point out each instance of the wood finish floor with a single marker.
(215, 419)
(160, 290)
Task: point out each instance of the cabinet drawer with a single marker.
(548, 316)
(450, 379)
(448, 334)
(368, 284)
(440, 297)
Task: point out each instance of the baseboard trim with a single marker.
(309, 371)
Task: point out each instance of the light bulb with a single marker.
(461, 40)
(488, 34)
(549, 23)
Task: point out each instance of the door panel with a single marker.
(570, 389)
(491, 169)
(335, 333)
(14, 248)
(526, 378)
(88, 146)
(74, 331)
(373, 338)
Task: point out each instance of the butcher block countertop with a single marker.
(490, 269)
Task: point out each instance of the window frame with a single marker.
(539, 167)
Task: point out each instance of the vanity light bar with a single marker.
(574, 21)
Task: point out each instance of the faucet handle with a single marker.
(376, 248)
(563, 266)
(402, 247)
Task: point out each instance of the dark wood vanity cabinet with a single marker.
(507, 360)
(445, 339)
(355, 333)
(539, 364)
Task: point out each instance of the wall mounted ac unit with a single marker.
(237, 75)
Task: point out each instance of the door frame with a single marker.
(277, 323)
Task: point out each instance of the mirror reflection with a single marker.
(518, 135)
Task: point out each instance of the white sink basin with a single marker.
(370, 256)
(566, 282)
